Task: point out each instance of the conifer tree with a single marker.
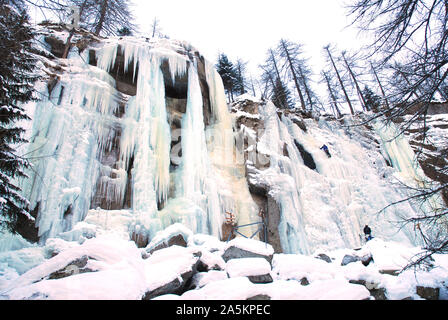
(371, 100)
(228, 74)
(16, 87)
(281, 96)
(240, 76)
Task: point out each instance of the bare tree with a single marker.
(267, 81)
(103, 17)
(305, 78)
(110, 15)
(350, 69)
(290, 53)
(383, 93)
(156, 29)
(332, 94)
(327, 49)
(251, 83)
(410, 38)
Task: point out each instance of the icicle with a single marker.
(106, 56)
(178, 65)
(146, 132)
(194, 148)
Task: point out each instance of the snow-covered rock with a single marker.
(169, 270)
(256, 269)
(110, 267)
(111, 258)
(247, 248)
(176, 234)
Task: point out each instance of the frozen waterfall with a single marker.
(93, 141)
(136, 135)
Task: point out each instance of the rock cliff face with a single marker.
(135, 135)
(429, 139)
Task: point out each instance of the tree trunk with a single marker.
(68, 43)
(381, 86)
(340, 81)
(358, 89)
(307, 90)
(296, 82)
(332, 96)
(102, 19)
(275, 64)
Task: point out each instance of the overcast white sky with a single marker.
(247, 28)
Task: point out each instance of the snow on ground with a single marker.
(117, 269)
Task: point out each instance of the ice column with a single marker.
(232, 185)
(70, 129)
(195, 176)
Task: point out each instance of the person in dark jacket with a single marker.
(325, 148)
(367, 233)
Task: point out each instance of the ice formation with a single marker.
(327, 205)
(136, 135)
(118, 148)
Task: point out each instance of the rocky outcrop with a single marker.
(306, 156)
(323, 257)
(174, 235)
(174, 240)
(246, 111)
(428, 139)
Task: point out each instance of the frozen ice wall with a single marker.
(69, 129)
(97, 149)
(408, 171)
(326, 205)
(136, 135)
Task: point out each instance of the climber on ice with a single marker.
(368, 233)
(325, 148)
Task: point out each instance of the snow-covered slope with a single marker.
(203, 267)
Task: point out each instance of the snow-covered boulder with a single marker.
(324, 257)
(200, 279)
(207, 242)
(239, 288)
(300, 267)
(258, 270)
(119, 273)
(169, 270)
(210, 261)
(80, 232)
(349, 259)
(428, 293)
(247, 248)
(176, 234)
